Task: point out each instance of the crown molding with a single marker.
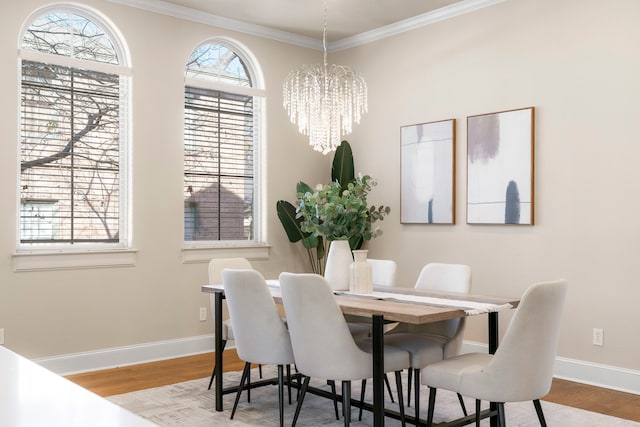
(182, 12)
(418, 21)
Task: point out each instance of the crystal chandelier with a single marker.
(325, 100)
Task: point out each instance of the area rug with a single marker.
(190, 404)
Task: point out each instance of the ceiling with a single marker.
(346, 18)
(300, 22)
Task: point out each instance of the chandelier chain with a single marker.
(324, 36)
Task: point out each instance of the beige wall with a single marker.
(62, 312)
(576, 61)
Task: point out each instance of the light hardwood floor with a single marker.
(155, 374)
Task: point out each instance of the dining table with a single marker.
(387, 304)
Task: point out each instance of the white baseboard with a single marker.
(611, 377)
(599, 375)
(68, 364)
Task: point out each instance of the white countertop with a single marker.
(32, 396)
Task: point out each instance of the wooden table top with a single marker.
(397, 311)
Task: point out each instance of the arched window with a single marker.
(73, 131)
(222, 116)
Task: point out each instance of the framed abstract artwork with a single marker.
(500, 159)
(427, 173)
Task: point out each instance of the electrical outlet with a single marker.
(203, 314)
(598, 337)
(1, 336)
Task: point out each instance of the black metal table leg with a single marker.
(217, 316)
(493, 346)
(493, 332)
(378, 369)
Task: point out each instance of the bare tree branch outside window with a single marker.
(70, 136)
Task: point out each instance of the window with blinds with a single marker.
(219, 149)
(71, 134)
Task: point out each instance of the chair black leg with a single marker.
(289, 382)
(364, 385)
(432, 403)
(213, 374)
(399, 391)
(332, 384)
(538, 407)
(416, 392)
(464, 408)
(243, 380)
(409, 376)
(249, 385)
(477, 412)
(303, 391)
(260, 370)
(362, 390)
(400, 398)
(386, 381)
(346, 402)
(501, 420)
(281, 394)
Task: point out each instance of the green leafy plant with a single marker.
(338, 210)
(292, 225)
(341, 212)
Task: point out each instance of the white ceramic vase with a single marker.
(360, 273)
(339, 261)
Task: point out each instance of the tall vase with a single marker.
(360, 273)
(339, 260)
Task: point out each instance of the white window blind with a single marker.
(70, 151)
(71, 133)
(219, 169)
(221, 115)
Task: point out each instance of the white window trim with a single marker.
(63, 257)
(73, 259)
(204, 251)
(93, 15)
(65, 61)
(228, 249)
(223, 87)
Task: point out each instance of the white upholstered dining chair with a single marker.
(522, 367)
(433, 342)
(216, 266)
(322, 344)
(383, 271)
(260, 334)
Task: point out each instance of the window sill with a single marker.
(67, 260)
(198, 254)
